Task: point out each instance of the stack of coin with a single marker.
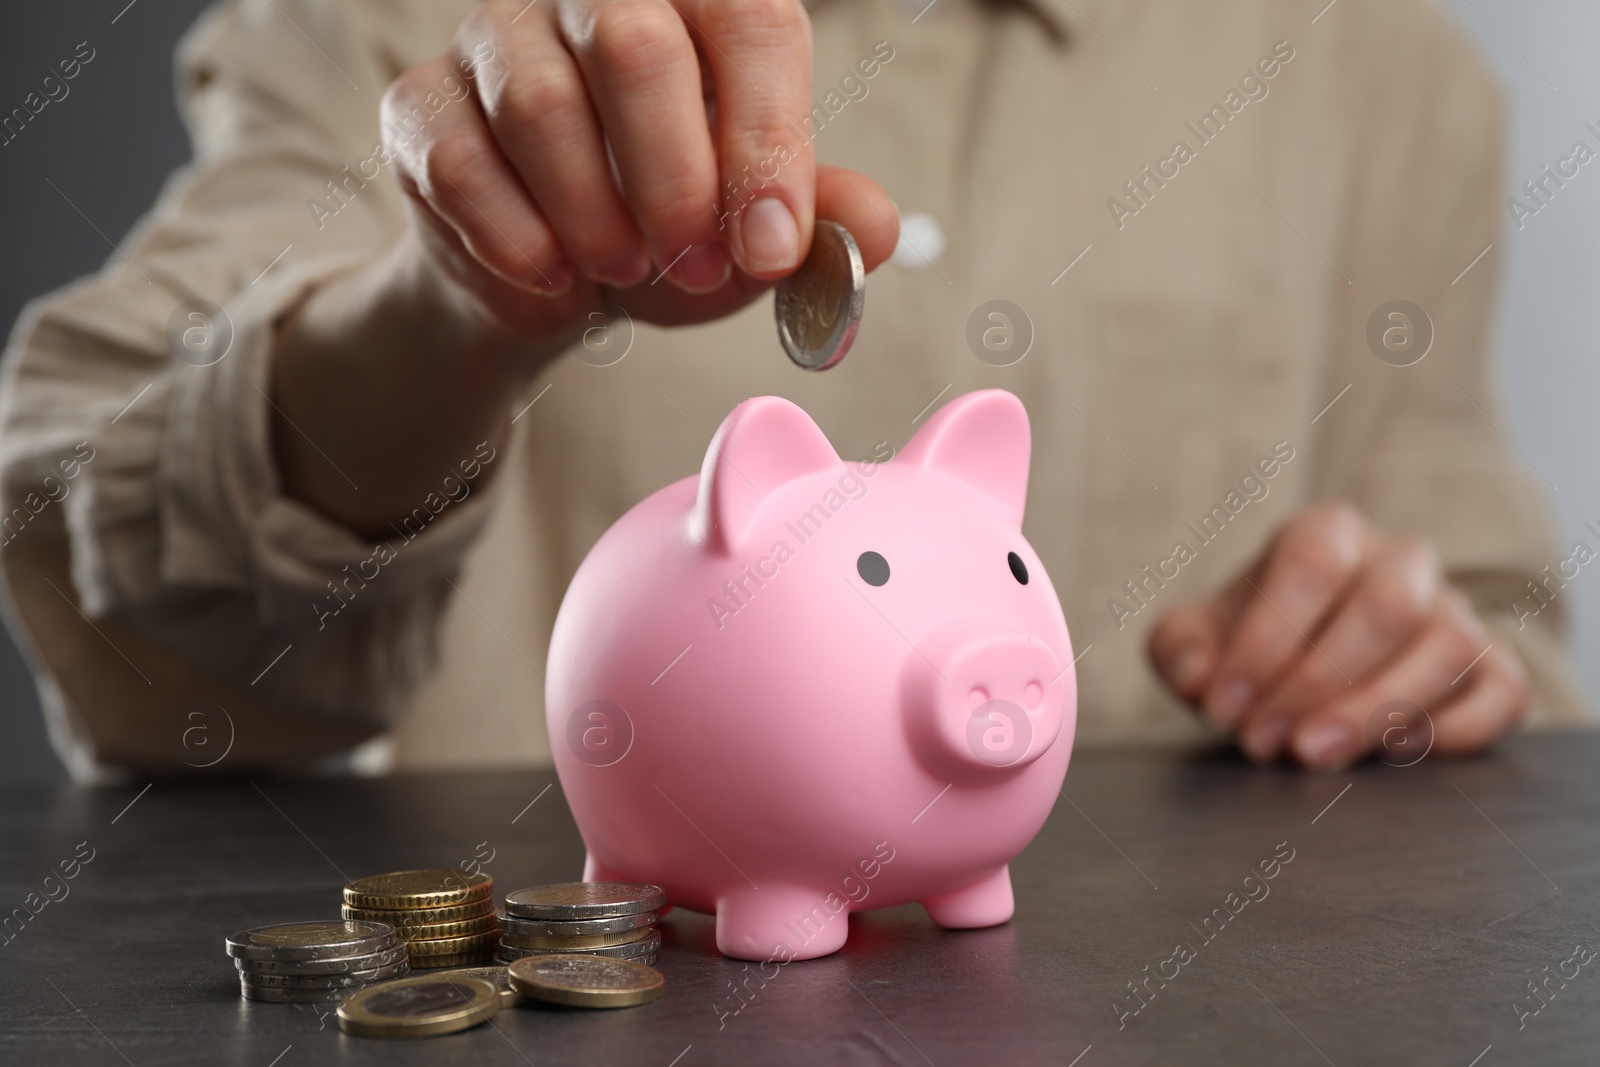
(315, 962)
(610, 919)
(446, 918)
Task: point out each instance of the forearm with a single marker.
(386, 379)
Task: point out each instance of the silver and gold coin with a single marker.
(579, 941)
(420, 1006)
(326, 981)
(408, 890)
(644, 946)
(516, 926)
(570, 901)
(586, 981)
(316, 940)
(291, 996)
(819, 306)
(337, 965)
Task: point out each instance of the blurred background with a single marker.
(108, 146)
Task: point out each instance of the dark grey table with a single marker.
(1418, 905)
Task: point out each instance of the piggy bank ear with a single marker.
(983, 439)
(764, 443)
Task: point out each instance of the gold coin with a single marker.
(419, 1007)
(578, 941)
(413, 930)
(463, 959)
(496, 975)
(397, 916)
(418, 889)
(586, 981)
(451, 946)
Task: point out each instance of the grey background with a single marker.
(112, 141)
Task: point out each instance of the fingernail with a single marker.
(1188, 669)
(556, 280)
(1326, 745)
(702, 268)
(770, 236)
(1264, 739)
(626, 273)
(1231, 700)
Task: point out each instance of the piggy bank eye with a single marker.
(873, 568)
(1019, 569)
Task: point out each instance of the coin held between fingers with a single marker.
(818, 307)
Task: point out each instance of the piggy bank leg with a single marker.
(987, 902)
(779, 922)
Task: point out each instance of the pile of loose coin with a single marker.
(614, 920)
(446, 918)
(580, 944)
(315, 962)
(583, 944)
(448, 1001)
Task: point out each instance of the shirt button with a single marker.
(921, 241)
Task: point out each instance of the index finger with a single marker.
(759, 56)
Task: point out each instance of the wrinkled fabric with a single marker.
(1186, 314)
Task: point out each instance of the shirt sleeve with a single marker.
(1420, 441)
(150, 382)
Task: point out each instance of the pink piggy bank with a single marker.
(794, 687)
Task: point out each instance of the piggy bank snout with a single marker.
(981, 701)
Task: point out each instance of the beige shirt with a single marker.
(1196, 207)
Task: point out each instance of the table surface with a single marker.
(1418, 904)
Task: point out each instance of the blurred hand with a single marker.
(697, 102)
(1331, 622)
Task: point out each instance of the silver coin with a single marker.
(338, 965)
(819, 306)
(321, 939)
(571, 901)
(325, 981)
(516, 926)
(632, 950)
(293, 996)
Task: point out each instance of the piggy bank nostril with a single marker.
(1032, 694)
(977, 698)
